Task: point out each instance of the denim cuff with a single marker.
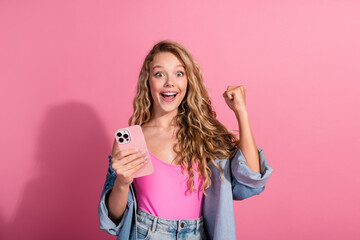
(106, 224)
(244, 175)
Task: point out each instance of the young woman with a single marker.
(200, 167)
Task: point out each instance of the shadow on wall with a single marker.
(2, 227)
(61, 203)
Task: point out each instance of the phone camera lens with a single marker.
(121, 140)
(119, 134)
(126, 136)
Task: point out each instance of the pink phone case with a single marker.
(133, 137)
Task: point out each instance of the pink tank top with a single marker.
(165, 193)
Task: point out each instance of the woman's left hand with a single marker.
(235, 97)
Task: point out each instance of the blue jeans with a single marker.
(153, 227)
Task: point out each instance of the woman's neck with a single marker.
(163, 121)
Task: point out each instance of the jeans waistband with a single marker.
(168, 225)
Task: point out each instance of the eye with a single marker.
(181, 74)
(158, 74)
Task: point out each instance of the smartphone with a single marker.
(133, 137)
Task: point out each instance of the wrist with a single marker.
(241, 112)
(120, 186)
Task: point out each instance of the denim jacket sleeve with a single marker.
(106, 224)
(246, 183)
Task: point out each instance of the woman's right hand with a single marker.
(127, 162)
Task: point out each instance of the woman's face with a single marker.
(168, 82)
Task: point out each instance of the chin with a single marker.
(167, 109)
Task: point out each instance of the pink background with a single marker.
(68, 71)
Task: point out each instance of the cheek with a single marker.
(183, 84)
(152, 86)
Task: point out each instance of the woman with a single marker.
(199, 165)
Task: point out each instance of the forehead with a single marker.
(165, 60)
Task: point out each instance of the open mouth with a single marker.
(168, 96)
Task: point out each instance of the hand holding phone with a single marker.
(126, 163)
(129, 139)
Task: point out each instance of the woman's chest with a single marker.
(161, 145)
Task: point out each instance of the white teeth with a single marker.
(169, 94)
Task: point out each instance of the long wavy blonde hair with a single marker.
(200, 135)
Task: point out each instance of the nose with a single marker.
(169, 82)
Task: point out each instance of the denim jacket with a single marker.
(218, 211)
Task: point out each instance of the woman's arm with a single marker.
(247, 141)
(116, 201)
(235, 98)
(125, 163)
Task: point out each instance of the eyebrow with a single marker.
(159, 66)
